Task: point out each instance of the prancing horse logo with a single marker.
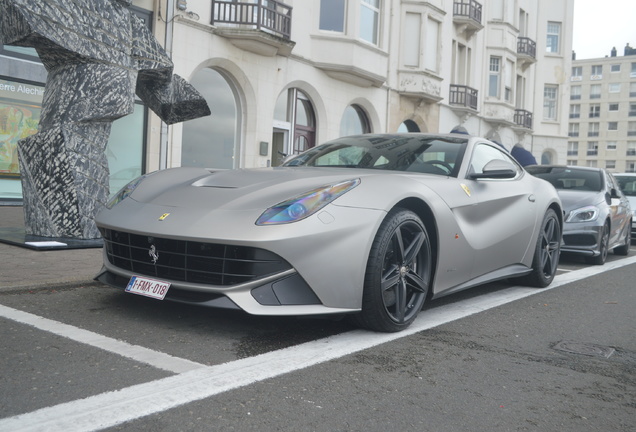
(154, 255)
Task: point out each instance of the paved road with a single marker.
(496, 358)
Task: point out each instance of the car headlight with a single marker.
(125, 192)
(304, 205)
(583, 214)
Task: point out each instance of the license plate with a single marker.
(147, 287)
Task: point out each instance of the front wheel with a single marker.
(603, 248)
(546, 253)
(398, 273)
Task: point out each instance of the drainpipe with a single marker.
(163, 146)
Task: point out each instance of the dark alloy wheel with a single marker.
(603, 248)
(546, 254)
(398, 273)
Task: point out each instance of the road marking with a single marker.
(113, 408)
(144, 355)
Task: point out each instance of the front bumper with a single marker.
(582, 239)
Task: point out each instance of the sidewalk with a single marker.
(28, 269)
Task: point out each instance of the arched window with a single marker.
(354, 121)
(213, 141)
(408, 126)
(293, 117)
(546, 158)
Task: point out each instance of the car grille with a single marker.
(189, 261)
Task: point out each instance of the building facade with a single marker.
(602, 118)
(281, 77)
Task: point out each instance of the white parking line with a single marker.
(144, 355)
(113, 408)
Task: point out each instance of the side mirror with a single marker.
(496, 169)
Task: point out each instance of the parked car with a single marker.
(627, 182)
(369, 225)
(598, 216)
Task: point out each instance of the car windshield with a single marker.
(569, 178)
(627, 184)
(407, 152)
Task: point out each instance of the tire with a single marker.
(624, 250)
(603, 249)
(546, 253)
(398, 273)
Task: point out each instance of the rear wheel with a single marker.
(603, 248)
(546, 253)
(398, 273)
(624, 250)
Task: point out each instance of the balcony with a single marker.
(420, 86)
(467, 15)
(526, 51)
(262, 26)
(463, 98)
(523, 118)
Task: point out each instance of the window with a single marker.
(613, 107)
(631, 128)
(632, 89)
(332, 15)
(592, 129)
(575, 111)
(595, 110)
(611, 145)
(510, 67)
(577, 73)
(573, 129)
(573, 148)
(632, 109)
(431, 44)
(597, 72)
(572, 162)
(369, 20)
(212, 142)
(630, 167)
(592, 163)
(610, 164)
(575, 92)
(494, 76)
(354, 121)
(615, 68)
(554, 34)
(595, 91)
(631, 148)
(612, 125)
(614, 87)
(632, 74)
(550, 102)
(592, 148)
(412, 36)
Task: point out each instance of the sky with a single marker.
(600, 25)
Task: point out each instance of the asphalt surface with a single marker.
(562, 359)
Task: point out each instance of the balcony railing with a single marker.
(592, 134)
(268, 15)
(526, 46)
(468, 9)
(523, 118)
(463, 96)
(592, 152)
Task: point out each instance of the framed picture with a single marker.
(20, 109)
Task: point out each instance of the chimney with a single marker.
(614, 52)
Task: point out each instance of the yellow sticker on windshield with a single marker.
(163, 216)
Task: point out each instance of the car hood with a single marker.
(240, 189)
(572, 200)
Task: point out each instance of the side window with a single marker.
(484, 153)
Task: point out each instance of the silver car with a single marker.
(598, 216)
(369, 225)
(627, 182)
